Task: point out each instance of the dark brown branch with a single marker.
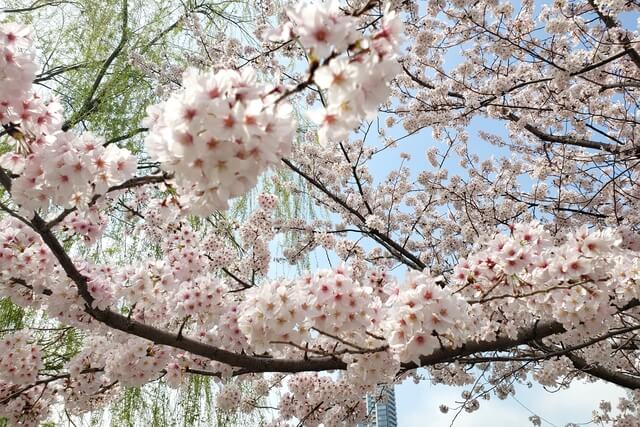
(620, 85)
(131, 183)
(56, 71)
(242, 283)
(610, 23)
(5, 180)
(127, 135)
(45, 381)
(619, 378)
(393, 247)
(23, 283)
(561, 139)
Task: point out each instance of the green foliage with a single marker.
(75, 40)
(158, 406)
(11, 315)
(126, 408)
(192, 403)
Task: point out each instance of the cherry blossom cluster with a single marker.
(17, 70)
(334, 401)
(67, 170)
(417, 318)
(155, 291)
(21, 256)
(227, 332)
(353, 84)
(19, 359)
(229, 397)
(30, 277)
(256, 233)
(200, 297)
(30, 407)
(137, 365)
(28, 272)
(423, 317)
(52, 166)
(246, 395)
(175, 374)
(271, 312)
(87, 387)
(628, 411)
(19, 104)
(356, 84)
(578, 281)
(551, 372)
(89, 223)
(18, 67)
(281, 311)
(218, 133)
(321, 28)
(370, 369)
(339, 304)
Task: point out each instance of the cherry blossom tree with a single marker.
(510, 255)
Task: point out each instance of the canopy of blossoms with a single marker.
(525, 266)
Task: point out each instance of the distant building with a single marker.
(381, 408)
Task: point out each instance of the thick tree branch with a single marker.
(249, 363)
(596, 370)
(562, 139)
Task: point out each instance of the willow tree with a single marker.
(105, 63)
